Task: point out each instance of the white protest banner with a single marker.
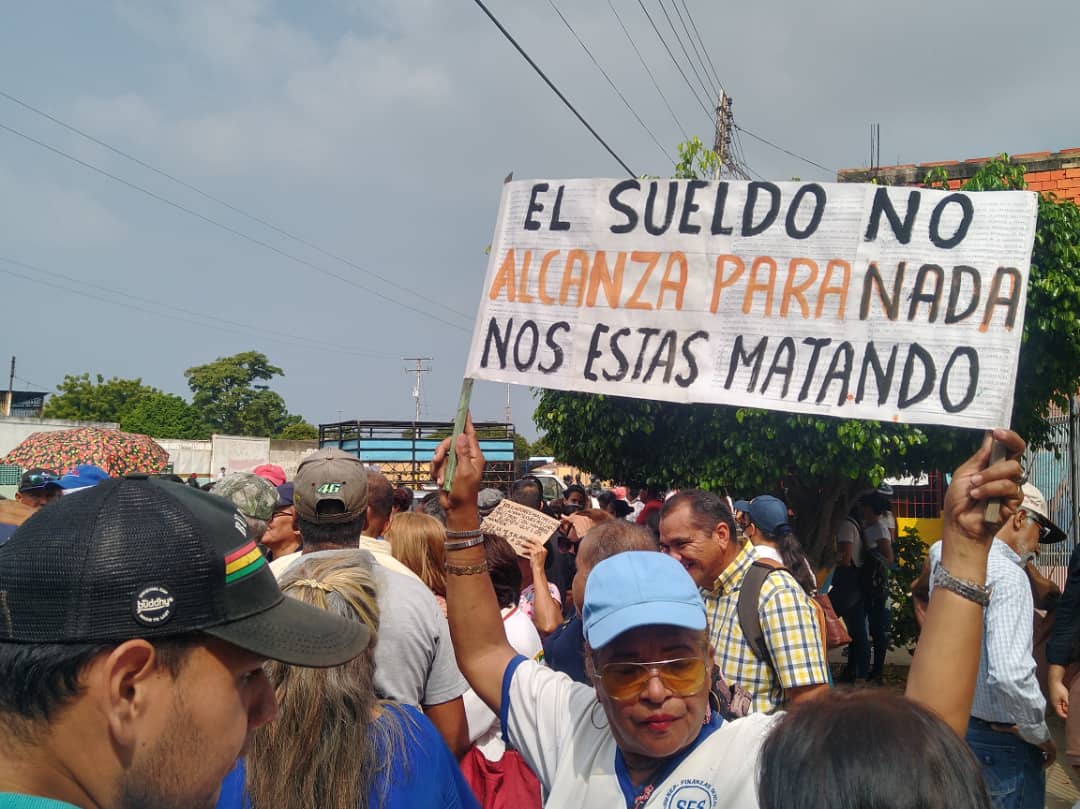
(519, 525)
(861, 301)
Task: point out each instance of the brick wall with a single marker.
(1054, 172)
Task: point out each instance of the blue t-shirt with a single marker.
(564, 650)
(6, 530)
(433, 779)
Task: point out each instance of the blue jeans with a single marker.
(1013, 769)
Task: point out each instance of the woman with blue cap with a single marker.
(644, 735)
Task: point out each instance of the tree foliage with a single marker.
(230, 394)
(138, 408)
(821, 464)
(300, 431)
(164, 415)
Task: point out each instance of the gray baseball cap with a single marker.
(330, 474)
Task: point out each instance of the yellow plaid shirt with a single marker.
(790, 626)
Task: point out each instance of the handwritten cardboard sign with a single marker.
(519, 525)
(861, 301)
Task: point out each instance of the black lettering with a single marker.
(556, 349)
(873, 280)
(534, 207)
(669, 211)
(785, 369)
(689, 207)
(818, 343)
(883, 205)
(664, 356)
(620, 357)
(617, 205)
(919, 296)
(973, 379)
(755, 356)
(748, 226)
(995, 299)
(882, 378)
(906, 398)
(502, 342)
(556, 223)
(648, 335)
(530, 326)
(815, 217)
(685, 381)
(966, 212)
(718, 226)
(845, 351)
(594, 353)
(955, 285)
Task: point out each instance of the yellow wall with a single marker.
(929, 527)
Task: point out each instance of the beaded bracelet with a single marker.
(463, 544)
(472, 532)
(467, 570)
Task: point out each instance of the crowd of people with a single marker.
(321, 641)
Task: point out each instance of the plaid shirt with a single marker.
(790, 626)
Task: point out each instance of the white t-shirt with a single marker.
(550, 719)
(849, 534)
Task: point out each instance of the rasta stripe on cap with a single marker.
(242, 562)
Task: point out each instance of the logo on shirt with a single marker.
(691, 793)
(153, 606)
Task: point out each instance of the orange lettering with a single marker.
(541, 279)
(504, 278)
(793, 290)
(569, 280)
(523, 289)
(720, 282)
(679, 286)
(601, 276)
(753, 285)
(840, 291)
(642, 258)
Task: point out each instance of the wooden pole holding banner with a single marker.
(459, 425)
(992, 512)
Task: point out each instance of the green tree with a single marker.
(81, 398)
(164, 415)
(299, 431)
(230, 394)
(822, 464)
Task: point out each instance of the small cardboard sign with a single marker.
(519, 525)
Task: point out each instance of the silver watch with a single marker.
(979, 593)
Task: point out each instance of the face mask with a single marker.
(570, 508)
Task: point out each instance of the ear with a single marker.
(127, 678)
(722, 535)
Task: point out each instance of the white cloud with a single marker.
(41, 214)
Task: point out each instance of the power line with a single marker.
(566, 22)
(785, 151)
(663, 98)
(694, 47)
(675, 62)
(554, 89)
(705, 50)
(214, 322)
(219, 201)
(682, 47)
(227, 228)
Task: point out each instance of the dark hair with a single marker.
(503, 568)
(574, 487)
(794, 558)
(37, 680)
(707, 509)
(605, 539)
(403, 498)
(867, 748)
(333, 534)
(380, 495)
(528, 491)
(432, 506)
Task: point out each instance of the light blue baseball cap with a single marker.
(639, 588)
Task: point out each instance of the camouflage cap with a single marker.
(254, 496)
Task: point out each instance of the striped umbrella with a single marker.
(118, 453)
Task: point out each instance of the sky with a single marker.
(340, 162)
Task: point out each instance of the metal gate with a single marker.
(1054, 470)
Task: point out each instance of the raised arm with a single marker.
(946, 663)
(476, 628)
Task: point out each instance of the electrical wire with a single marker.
(694, 48)
(618, 92)
(682, 47)
(705, 50)
(229, 229)
(244, 329)
(234, 208)
(554, 89)
(675, 62)
(645, 65)
(785, 151)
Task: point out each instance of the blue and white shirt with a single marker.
(1007, 690)
(562, 732)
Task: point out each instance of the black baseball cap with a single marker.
(36, 479)
(142, 557)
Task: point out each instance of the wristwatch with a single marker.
(979, 593)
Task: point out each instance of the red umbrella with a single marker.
(116, 452)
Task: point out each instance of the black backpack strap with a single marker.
(749, 617)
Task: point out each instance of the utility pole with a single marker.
(419, 370)
(725, 122)
(10, 390)
(508, 419)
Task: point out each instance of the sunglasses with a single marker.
(38, 479)
(624, 681)
(1045, 531)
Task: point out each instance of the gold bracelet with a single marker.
(467, 570)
